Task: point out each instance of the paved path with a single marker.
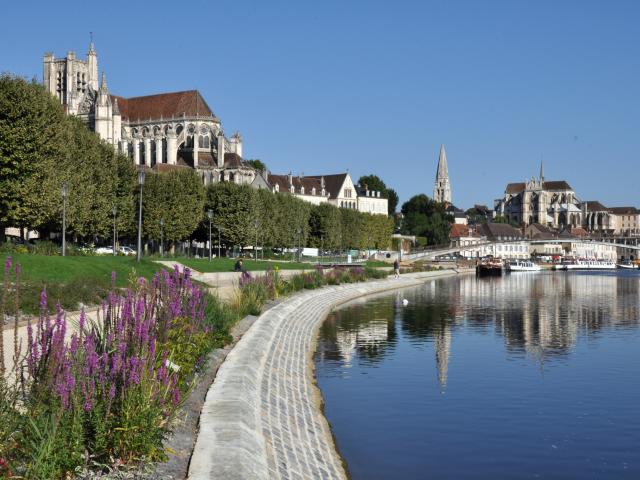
(262, 417)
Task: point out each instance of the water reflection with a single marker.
(539, 315)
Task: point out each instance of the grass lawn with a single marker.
(227, 264)
(72, 281)
(50, 270)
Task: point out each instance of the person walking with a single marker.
(396, 268)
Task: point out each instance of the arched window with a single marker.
(302, 190)
(277, 187)
(204, 142)
(222, 176)
(231, 177)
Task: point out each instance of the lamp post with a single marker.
(115, 212)
(256, 223)
(141, 182)
(65, 192)
(162, 237)
(321, 248)
(210, 217)
(299, 232)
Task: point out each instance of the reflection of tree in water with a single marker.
(363, 330)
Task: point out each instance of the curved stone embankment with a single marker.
(262, 418)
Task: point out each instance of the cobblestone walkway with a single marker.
(262, 418)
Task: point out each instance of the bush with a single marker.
(112, 389)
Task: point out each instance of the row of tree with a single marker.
(42, 148)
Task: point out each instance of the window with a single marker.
(204, 142)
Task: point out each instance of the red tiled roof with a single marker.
(595, 206)
(624, 210)
(513, 188)
(164, 105)
(458, 230)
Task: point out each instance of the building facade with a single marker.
(550, 203)
(611, 220)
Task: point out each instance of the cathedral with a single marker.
(550, 203)
(156, 131)
(179, 129)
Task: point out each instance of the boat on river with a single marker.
(628, 265)
(586, 264)
(489, 266)
(523, 266)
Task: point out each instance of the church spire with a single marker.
(443, 168)
(442, 187)
(103, 84)
(541, 171)
(92, 47)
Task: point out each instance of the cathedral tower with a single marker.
(442, 187)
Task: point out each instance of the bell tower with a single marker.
(442, 187)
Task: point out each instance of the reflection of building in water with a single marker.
(366, 336)
(443, 347)
(545, 314)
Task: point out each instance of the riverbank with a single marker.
(262, 417)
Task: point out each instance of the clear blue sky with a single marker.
(376, 87)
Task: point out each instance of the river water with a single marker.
(524, 376)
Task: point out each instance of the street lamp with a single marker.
(141, 182)
(162, 237)
(321, 248)
(299, 232)
(115, 212)
(65, 192)
(210, 217)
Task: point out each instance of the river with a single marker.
(523, 376)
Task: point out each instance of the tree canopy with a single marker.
(427, 218)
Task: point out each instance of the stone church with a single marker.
(156, 131)
(550, 203)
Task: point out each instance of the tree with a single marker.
(426, 218)
(325, 225)
(393, 199)
(33, 139)
(257, 164)
(178, 198)
(234, 210)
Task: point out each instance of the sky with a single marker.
(375, 87)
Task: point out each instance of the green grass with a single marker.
(61, 270)
(226, 264)
(72, 281)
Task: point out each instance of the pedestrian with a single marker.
(238, 266)
(396, 268)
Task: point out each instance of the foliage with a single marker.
(257, 164)
(113, 388)
(426, 218)
(253, 292)
(177, 198)
(233, 208)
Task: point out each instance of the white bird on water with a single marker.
(405, 302)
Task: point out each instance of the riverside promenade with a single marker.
(262, 417)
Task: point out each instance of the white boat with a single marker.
(523, 266)
(629, 266)
(590, 265)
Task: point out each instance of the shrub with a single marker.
(109, 390)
